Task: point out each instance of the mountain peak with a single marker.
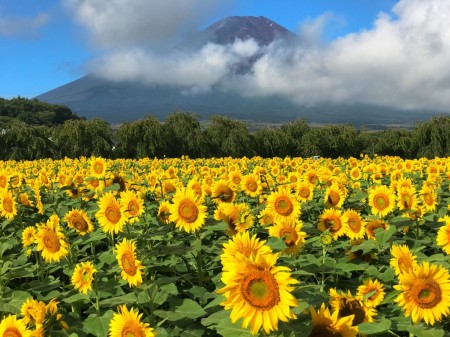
(260, 28)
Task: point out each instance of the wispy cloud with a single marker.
(402, 61)
(21, 26)
(125, 23)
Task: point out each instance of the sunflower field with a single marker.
(225, 247)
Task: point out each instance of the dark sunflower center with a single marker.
(98, 168)
(353, 308)
(260, 290)
(426, 293)
(131, 329)
(333, 224)
(333, 198)
(354, 224)
(12, 332)
(8, 205)
(290, 236)
(112, 213)
(381, 202)
(226, 195)
(51, 241)
(252, 186)
(324, 331)
(133, 208)
(284, 206)
(407, 201)
(188, 211)
(304, 192)
(128, 263)
(79, 223)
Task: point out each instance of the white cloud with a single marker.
(21, 26)
(402, 61)
(114, 23)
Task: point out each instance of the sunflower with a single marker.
(132, 205)
(382, 200)
(265, 218)
(51, 241)
(291, 232)
(235, 178)
(33, 312)
(8, 207)
(82, 276)
(325, 324)
(443, 235)
(222, 191)
(10, 326)
(332, 220)
(163, 212)
(243, 244)
(110, 216)
(373, 225)
(403, 260)
(347, 305)
(238, 217)
(406, 198)
(196, 186)
(131, 267)
(4, 178)
(283, 205)
(128, 323)
(259, 292)
(334, 196)
(371, 293)
(355, 226)
(251, 185)
(355, 173)
(187, 210)
(80, 221)
(28, 236)
(425, 293)
(98, 167)
(305, 191)
(429, 198)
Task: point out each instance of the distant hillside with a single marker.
(34, 112)
(118, 102)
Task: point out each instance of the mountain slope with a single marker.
(118, 102)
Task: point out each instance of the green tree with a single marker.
(25, 142)
(228, 137)
(271, 142)
(139, 139)
(432, 138)
(183, 135)
(76, 138)
(294, 132)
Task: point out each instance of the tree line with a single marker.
(183, 134)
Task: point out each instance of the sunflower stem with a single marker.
(417, 230)
(199, 260)
(324, 254)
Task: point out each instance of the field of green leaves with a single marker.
(225, 247)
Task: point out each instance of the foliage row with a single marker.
(183, 134)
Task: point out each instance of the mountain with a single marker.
(118, 102)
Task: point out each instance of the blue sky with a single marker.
(384, 52)
(44, 46)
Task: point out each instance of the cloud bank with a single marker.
(403, 61)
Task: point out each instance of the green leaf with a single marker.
(276, 244)
(113, 187)
(374, 327)
(383, 236)
(118, 300)
(187, 309)
(220, 321)
(98, 326)
(13, 306)
(421, 331)
(76, 298)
